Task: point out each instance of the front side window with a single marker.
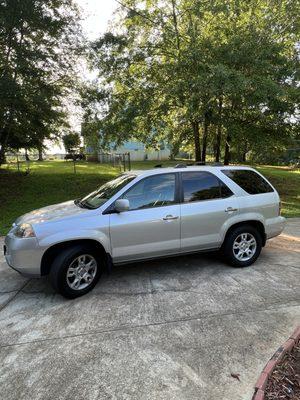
(248, 180)
(105, 192)
(154, 191)
(198, 186)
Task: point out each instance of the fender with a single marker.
(235, 219)
(70, 235)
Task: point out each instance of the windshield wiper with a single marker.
(80, 204)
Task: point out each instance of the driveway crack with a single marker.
(14, 296)
(269, 307)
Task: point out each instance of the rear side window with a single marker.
(248, 180)
(198, 186)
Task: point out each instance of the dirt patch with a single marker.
(284, 383)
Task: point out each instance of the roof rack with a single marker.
(199, 164)
(180, 166)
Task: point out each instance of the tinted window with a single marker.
(248, 180)
(225, 191)
(106, 191)
(155, 191)
(199, 186)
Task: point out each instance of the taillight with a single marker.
(279, 208)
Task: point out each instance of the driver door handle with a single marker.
(230, 209)
(169, 217)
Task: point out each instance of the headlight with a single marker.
(23, 231)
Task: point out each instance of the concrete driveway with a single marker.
(170, 329)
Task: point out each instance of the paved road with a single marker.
(171, 329)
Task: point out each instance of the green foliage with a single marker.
(71, 142)
(225, 70)
(38, 43)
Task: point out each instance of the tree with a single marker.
(71, 142)
(38, 44)
(224, 71)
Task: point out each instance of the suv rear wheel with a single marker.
(75, 271)
(242, 246)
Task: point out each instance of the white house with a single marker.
(137, 150)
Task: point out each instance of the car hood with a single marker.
(50, 213)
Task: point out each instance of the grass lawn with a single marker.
(51, 182)
(287, 182)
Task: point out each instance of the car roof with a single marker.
(190, 168)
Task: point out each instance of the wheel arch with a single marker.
(255, 223)
(50, 254)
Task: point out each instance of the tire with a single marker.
(71, 261)
(237, 252)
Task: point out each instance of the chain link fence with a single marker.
(23, 162)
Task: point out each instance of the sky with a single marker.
(97, 14)
(96, 17)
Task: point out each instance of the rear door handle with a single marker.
(169, 217)
(230, 209)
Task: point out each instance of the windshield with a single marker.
(106, 191)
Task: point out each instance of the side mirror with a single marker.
(122, 205)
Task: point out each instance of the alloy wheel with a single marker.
(244, 247)
(81, 272)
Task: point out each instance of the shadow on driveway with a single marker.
(168, 329)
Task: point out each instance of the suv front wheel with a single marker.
(75, 271)
(242, 246)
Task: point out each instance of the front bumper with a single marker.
(274, 226)
(23, 255)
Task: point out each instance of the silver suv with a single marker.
(143, 215)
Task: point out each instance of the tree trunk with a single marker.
(2, 155)
(204, 142)
(3, 143)
(219, 133)
(26, 155)
(195, 126)
(175, 149)
(227, 150)
(245, 151)
(218, 144)
(40, 150)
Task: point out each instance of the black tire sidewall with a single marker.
(60, 266)
(228, 246)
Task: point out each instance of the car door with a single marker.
(207, 203)
(151, 227)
